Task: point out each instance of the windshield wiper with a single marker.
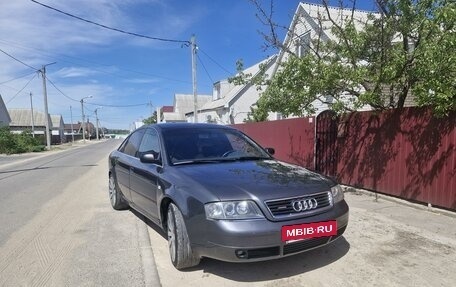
(241, 158)
(196, 161)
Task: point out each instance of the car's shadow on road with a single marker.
(267, 270)
(280, 268)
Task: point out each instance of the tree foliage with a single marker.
(151, 120)
(405, 50)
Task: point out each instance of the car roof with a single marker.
(174, 126)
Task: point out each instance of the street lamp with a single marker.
(83, 118)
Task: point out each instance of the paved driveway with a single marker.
(386, 244)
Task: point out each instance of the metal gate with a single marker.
(326, 155)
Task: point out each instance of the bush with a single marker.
(18, 143)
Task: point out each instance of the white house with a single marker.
(311, 22)
(5, 118)
(231, 103)
(184, 104)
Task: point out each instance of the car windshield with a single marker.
(206, 145)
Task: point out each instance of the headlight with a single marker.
(337, 193)
(232, 210)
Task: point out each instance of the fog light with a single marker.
(241, 253)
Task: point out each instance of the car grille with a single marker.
(283, 209)
(310, 243)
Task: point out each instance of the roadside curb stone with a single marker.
(419, 206)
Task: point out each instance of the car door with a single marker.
(144, 176)
(127, 159)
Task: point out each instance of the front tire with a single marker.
(180, 250)
(115, 196)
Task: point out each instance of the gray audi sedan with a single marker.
(216, 193)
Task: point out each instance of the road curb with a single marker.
(151, 277)
(45, 153)
(423, 207)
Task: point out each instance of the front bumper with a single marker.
(258, 240)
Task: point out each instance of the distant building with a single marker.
(231, 104)
(136, 125)
(21, 120)
(57, 129)
(183, 104)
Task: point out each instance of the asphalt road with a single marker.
(58, 229)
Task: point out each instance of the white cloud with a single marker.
(72, 72)
(141, 81)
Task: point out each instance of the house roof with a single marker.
(225, 100)
(4, 115)
(75, 126)
(314, 13)
(23, 118)
(56, 120)
(310, 16)
(167, 109)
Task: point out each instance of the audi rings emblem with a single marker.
(304, 204)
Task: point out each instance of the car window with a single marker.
(132, 144)
(150, 143)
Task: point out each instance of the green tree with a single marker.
(151, 120)
(256, 115)
(406, 50)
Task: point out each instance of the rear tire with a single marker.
(115, 196)
(180, 250)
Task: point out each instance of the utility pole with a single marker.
(83, 121)
(195, 96)
(96, 122)
(89, 128)
(46, 112)
(151, 108)
(33, 120)
(83, 118)
(72, 130)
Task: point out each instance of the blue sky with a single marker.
(120, 70)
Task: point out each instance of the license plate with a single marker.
(309, 230)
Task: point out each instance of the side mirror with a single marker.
(270, 150)
(150, 158)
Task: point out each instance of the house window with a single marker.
(216, 93)
(303, 44)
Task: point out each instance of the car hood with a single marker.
(258, 180)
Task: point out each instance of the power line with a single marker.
(204, 67)
(117, 106)
(20, 77)
(21, 89)
(113, 74)
(68, 97)
(17, 60)
(210, 58)
(110, 28)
